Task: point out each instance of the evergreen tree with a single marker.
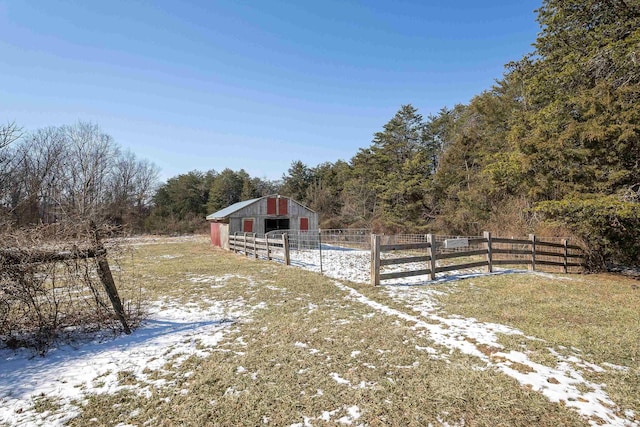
(389, 180)
(226, 189)
(297, 181)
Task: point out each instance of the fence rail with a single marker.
(467, 251)
(16, 260)
(270, 247)
(400, 256)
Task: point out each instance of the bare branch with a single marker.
(9, 133)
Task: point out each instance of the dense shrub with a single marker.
(609, 225)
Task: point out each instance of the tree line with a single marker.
(181, 204)
(71, 173)
(553, 147)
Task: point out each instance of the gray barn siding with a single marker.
(258, 211)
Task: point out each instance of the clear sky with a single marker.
(249, 84)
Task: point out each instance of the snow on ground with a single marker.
(354, 265)
(469, 336)
(173, 334)
(69, 373)
(563, 382)
(352, 414)
(154, 240)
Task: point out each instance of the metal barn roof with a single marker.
(223, 213)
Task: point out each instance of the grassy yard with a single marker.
(592, 317)
(314, 352)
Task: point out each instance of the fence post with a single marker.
(255, 245)
(266, 241)
(532, 237)
(565, 245)
(104, 272)
(487, 235)
(432, 255)
(375, 259)
(285, 247)
(320, 247)
(244, 235)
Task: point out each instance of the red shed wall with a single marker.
(215, 234)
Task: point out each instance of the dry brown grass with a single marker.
(309, 354)
(594, 317)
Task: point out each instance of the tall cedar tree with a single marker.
(397, 169)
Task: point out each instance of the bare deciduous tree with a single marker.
(75, 171)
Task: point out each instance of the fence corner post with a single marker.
(104, 273)
(432, 255)
(487, 236)
(285, 247)
(532, 266)
(565, 246)
(375, 259)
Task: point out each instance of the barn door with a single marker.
(271, 206)
(283, 204)
(277, 206)
(304, 224)
(247, 225)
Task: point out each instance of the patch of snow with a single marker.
(326, 415)
(352, 414)
(305, 423)
(561, 383)
(616, 367)
(443, 423)
(169, 256)
(69, 373)
(337, 378)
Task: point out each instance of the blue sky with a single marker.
(249, 84)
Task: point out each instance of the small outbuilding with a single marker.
(260, 216)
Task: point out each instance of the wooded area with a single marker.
(552, 148)
(71, 173)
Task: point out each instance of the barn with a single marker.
(260, 216)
